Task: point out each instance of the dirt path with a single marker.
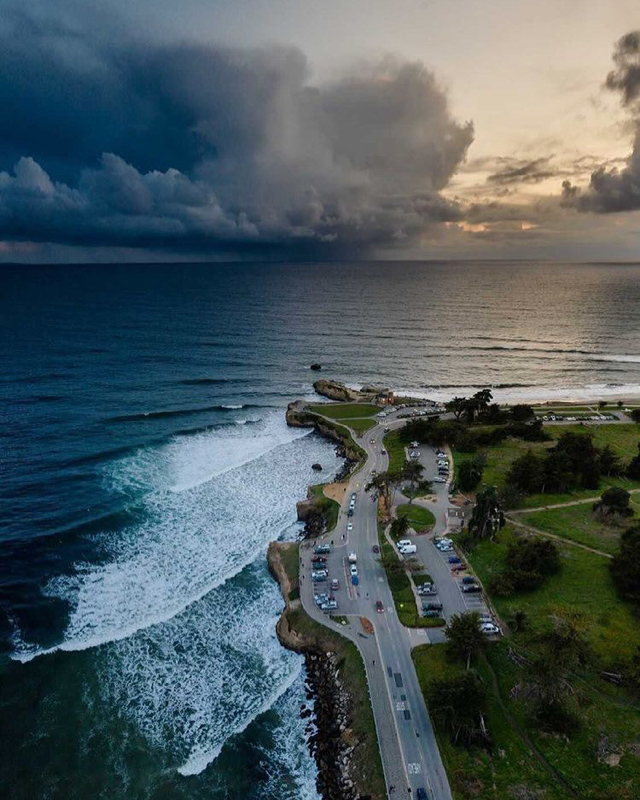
(538, 532)
(563, 505)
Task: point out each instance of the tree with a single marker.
(465, 638)
(487, 518)
(546, 684)
(614, 502)
(522, 413)
(457, 406)
(469, 474)
(382, 485)
(602, 405)
(412, 472)
(527, 473)
(633, 468)
(399, 527)
(635, 414)
(529, 562)
(620, 403)
(458, 705)
(625, 565)
(519, 621)
(609, 462)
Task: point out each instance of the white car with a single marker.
(404, 543)
(442, 463)
(440, 454)
(349, 526)
(489, 628)
(354, 570)
(439, 479)
(414, 454)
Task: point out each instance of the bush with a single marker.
(614, 502)
(470, 474)
(527, 565)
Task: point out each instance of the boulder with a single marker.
(317, 467)
(316, 367)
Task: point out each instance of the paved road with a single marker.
(408, 746)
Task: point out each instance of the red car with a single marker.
(457, 567)
(379, 606)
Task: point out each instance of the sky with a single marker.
(152, 130)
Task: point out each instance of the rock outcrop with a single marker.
(316, 367)
(335, 390)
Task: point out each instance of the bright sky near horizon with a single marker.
(335, 113)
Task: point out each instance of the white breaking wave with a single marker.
(192, 683)
(212, 502)
(536, 394)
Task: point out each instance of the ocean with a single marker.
(145, 465)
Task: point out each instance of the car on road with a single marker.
(471, 588)
(335, 584)
(439, 479)
(354, 570)
(387, 429)
(489, 628)
(421, 793)
(372, 441)
(379, 606)
(349, 526)
(375, 548)
(383, 451)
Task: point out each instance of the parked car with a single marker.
(468, 579)
(455, 560)
(432, 606)
(352, 558)
(408, 549)
(490, 628)
(431, 614)
(322, 548)
(320, 598)
(426, 589)
(354, 569)
(319, 560)
(349, 526)
(457, 567)
(439, 479)
(330, 605)
(471, 588)
(403, 542)
(318, 578)
(441, 462)
(353, 496)
(350, 512)
(441, 454)
(379, 606)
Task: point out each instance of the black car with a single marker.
(421, 794)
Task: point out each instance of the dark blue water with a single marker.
(146, 465)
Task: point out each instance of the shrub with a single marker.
(625, 565)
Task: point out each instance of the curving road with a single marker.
(410, 755)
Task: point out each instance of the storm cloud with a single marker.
(612, 189)
(203, 147)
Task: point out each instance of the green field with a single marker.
(583, 585)
(623, 438)
(577, 523)
(345, 410)
(395, 449)
(419, 518)
(360, 425)
(477, 774)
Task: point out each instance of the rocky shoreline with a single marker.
(330, 744)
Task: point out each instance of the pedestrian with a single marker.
(374, 662)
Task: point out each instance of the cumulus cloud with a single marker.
(613, 189)
(203, 147)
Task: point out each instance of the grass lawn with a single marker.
(419, 518)
(508, 764)
(366, 764)
(329, 508)
(395, 449)
(583, 584)
(623, 438)
(360, 425)
(345, 410)
(577, 523)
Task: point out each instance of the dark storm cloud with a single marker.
(523, 172)
(206, 147)
(612, 189)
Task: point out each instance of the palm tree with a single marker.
(399, 527)
(412, 472)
